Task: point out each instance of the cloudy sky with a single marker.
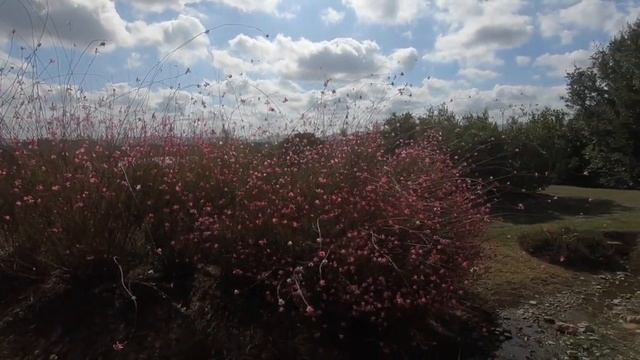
(279, 55)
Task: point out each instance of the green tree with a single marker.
(502, 156)
(605, 98)
(399, 130)
(537, 147)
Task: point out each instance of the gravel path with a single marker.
(597, 318)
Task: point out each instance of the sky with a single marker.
(287, 58)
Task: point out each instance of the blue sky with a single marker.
(471, 54)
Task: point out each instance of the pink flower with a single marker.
(119, 346)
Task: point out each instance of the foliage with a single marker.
(586, 250)
(500, 157)
(597, 144)
(299, 142)
(343, 228)
(399, 130)
(66, 204)
(605, 97)
(326, 233)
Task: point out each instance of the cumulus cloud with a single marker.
(523, 60)
(302, 59)
(504, 97)
(474, 74)
(184, 38)
(277, 82)
(393, 12)
(268, 6)
(461, 98)
(364, 101)
(477, 30)
(595, 15)
(331, 16)
(559, 64)
(134, 60)
(404, 59)
(77, 22)
(80, 23)
(158, 6)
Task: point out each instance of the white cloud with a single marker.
(504, 97)
(594, 15)
(559, 64)
(477, 75)
(268, 6)
(287, 14)
(331, 16)
(342, 59)
(462, 99)
(276, 106)
(134, 60)
(80, 23)
(184, 38)
(77, 22)
(404, 59)
(159, 6)
(278, 73)
(523, 60)
(477, 30)
(393, 12)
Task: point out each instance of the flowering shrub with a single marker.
(344, 227)
(320, 233)
(65, 204)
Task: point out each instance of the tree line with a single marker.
(594, 141)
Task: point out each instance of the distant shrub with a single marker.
(583, 250)
(299, 142)
(400, 130)
(513, 157)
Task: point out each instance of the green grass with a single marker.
(510, 276)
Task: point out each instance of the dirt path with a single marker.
(596, 318)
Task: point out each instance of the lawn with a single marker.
(510, 276)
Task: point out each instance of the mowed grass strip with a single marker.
(510, 276)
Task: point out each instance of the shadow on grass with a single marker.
(528, 208)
